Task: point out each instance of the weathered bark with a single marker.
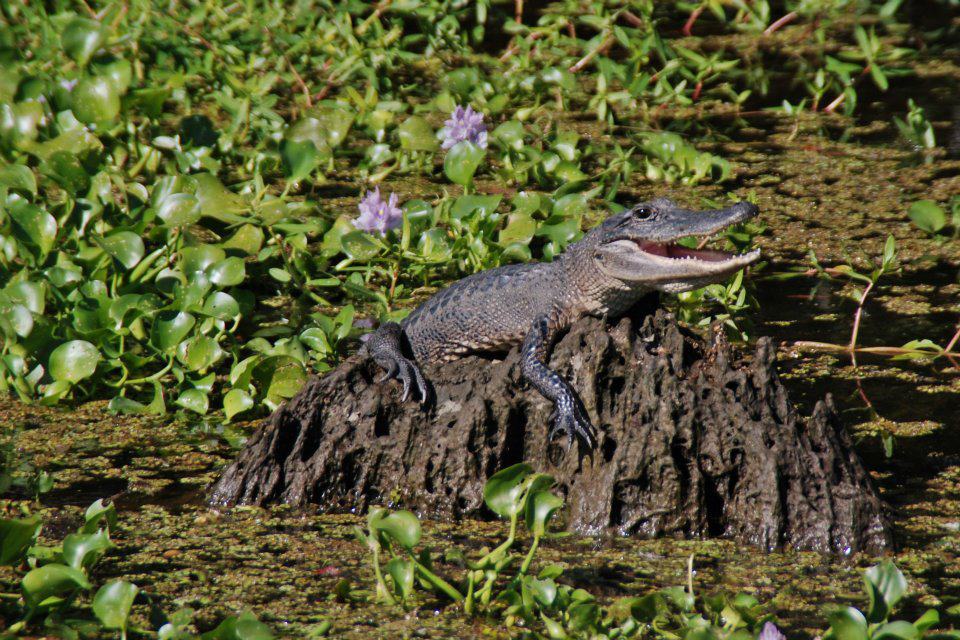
(694, 444)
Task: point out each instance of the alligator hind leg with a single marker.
(570, 416)
(385, 346)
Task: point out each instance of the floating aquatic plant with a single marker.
(378, 215)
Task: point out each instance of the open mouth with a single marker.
(678, 252)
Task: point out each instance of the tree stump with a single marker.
(694, 443)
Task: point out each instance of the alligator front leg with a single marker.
(385, 347)
(569, 417)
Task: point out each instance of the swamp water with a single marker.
(838, 199)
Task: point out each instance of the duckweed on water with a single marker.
(178, 193)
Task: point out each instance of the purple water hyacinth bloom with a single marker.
(378, 215)
(464, 124)
(770, 632)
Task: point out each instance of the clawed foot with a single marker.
(570, 419)
(407, 373)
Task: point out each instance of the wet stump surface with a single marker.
(695, 442)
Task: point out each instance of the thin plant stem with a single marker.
(585, 60)
(782, 22)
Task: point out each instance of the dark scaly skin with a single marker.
(603, 274)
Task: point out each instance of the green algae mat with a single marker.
(203, 203)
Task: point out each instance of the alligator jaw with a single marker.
(659, 263)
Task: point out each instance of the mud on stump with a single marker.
(694, 443)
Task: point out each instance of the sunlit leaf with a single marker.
(400, 526)
(16, 536)
(848, 624)
(73, 361)
(462, 161)
(49, 584)
(126, 246)
(195, 400)
(504, 491)
(401, 570)
(170, 328)
(112, 603)
(236, 401)
(83, 550)
(279, 377)
(885, 586)
(928, 215)
(95, 99)
(417, 135)
(242, 627)
(81, 38)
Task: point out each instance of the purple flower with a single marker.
(770, 632)
(464, 124)
(377, 214)
(68, 85)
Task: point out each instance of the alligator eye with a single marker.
(642, 212)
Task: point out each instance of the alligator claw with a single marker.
(570, 419)
(407, 373)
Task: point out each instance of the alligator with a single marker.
(615, 264)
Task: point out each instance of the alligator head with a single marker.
(638, 246)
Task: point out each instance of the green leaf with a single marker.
(216, 201)
(417, 135)
(118, 70)
(929, 620)
(279, 377)
(504, 491)
(194, 400)
(112, 603)
(16, 536)
(83, 550)
(466, 206)
(299, 158)
(928, 216)
(73, 361)
(401, 526)
(435, 246)
(99, 512)
(199, 353)
(228, 273)
(18, 177)
(897, 630)
(360, 246)
(125, 246)
(848, 624)
(541, 506)
(179, 210)
(170, 328)
(520, 228)
(236, 401)
(242, 627)
(51, 584)
(199, 258)
(462, 161)
(221, 305)
(248, 239)
(95, 99)
(889, 253)
(81, 38)
(33, 225)
(885, 586)
(401, 570)
(510, 135)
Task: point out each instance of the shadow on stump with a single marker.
(694, 443)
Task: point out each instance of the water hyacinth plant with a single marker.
(378, 215)
(465, 137)
(464, 125)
